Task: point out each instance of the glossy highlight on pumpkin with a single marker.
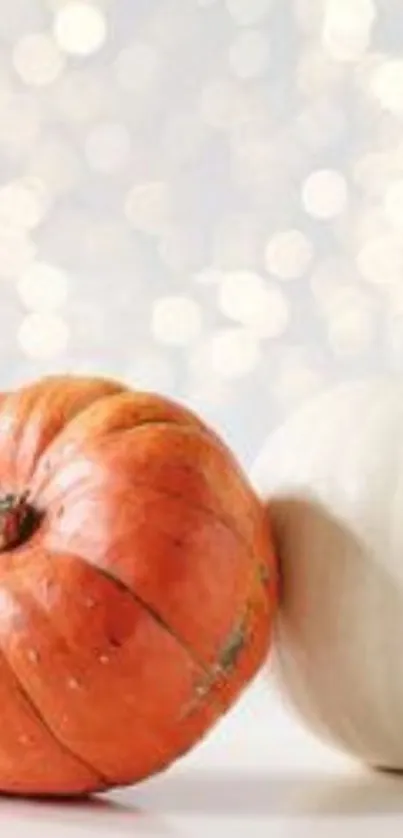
(138, 602)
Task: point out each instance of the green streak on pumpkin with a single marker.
(232, 648)
(264, 573)
(227, 659)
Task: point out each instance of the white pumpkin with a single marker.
(333, 477)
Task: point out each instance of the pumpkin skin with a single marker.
(137, 585)
(332, 480)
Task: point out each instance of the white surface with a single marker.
(258, 775)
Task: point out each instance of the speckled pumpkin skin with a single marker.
(140, 604)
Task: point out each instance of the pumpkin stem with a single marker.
(18, 520)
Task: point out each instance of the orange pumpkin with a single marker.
(137, 585)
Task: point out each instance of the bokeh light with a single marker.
(176, 320)
(262, 307)
(373, 172)
(234, 352)
(288, 254)
(347, 28)
(148, 206)
(380, 260)
(80, 28)
(24, 203)
(324, 193)
(317, 73)
(37, 60)
(387, 85)
(333, 283)
(43, 287)
(43, 335)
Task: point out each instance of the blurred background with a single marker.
(202, 197)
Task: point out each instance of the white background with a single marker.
(205, 197)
